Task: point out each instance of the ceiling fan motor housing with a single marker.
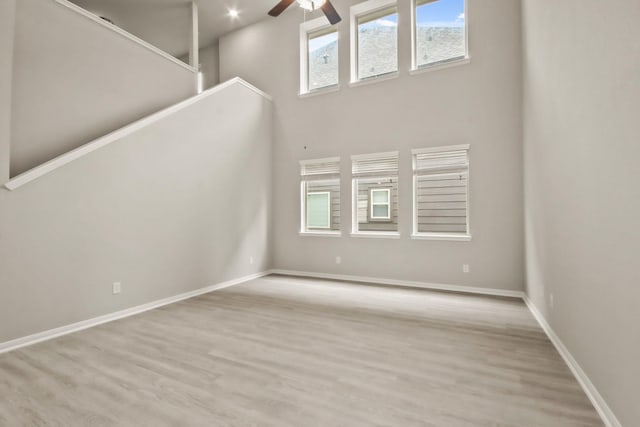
(311, 4)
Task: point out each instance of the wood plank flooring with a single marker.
(283, 351)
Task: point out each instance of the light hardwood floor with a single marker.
(282, 351)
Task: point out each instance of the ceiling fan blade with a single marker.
(330, 12)
(280, 7)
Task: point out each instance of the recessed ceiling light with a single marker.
(233, 13)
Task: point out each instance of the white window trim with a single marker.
(441, 66)
(388, 204)
(320, 91)
(376, 234)
(375, 155)
(415, 69)
(328, 227)
(306, 28)
(442, 236)
(375, 79)
(440, 149)
(354, 198)
(355, 12)
(460, 237)
(320, 233)
(303, 200)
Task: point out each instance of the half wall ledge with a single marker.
(53, 164)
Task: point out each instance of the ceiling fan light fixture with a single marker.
(311, 4)
(326, 6)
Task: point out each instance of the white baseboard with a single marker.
(590, 390)
(84, 324)
(412, 284)
(607, 415)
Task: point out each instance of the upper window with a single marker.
(441, 202)
(439, 32)
(318, 55)
(320, 196)
(375, 194)
(374, 39)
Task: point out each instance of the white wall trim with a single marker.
(607, 415)
(118, 134)
(124, 33)
(407, 283)
(85, 324)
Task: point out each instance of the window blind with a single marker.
(320, 169)
(320, 192)
(383, 164)
(441, 186)
(377, 15)
(441, 161)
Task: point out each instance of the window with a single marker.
(374, 39)
(439, 32)
(375, 194)
(441, 202)
(318, 55)
(380, 203)
(318, 209)
(320, 196)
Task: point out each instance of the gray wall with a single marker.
(176, 206)
(582, 198)
(75, 80)
(7, 22)
(209, 65)
(479, 103)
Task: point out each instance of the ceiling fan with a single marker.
(325, 5)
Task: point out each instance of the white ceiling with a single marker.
(167, 23)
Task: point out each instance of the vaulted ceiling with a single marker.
(167, 23)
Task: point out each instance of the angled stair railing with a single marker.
(43, 169)
(77, 77)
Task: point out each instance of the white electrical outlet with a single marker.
(250, 260)
(465, 268)
(117, 288)
(551, 300)
(338, 260)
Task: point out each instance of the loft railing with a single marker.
(126, 34)
(116, 135)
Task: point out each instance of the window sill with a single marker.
(439, 236)
(441, 65)
(321, 233)
(321, 91)
(371, 80)
(373, 235)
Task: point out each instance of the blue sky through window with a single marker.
(441, 13)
